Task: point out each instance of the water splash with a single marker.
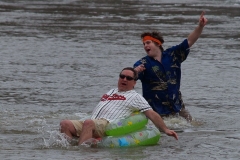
(56, 139)
(178, 122)
(49, 135)
(92, 142)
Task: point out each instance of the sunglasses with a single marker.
(122, 76)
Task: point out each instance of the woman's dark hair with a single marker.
(156, 35)
(135, 74)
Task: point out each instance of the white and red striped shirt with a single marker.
(114, 105)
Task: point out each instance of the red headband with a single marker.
(151, 38)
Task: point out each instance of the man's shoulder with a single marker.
(136, 93)
(139, 98)
(112, 90)
(133, 93)
(142, 59)
(170, 49)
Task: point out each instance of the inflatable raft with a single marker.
(129, 132)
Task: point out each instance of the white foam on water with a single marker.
(48, 135)
(176, 122)
(82, 116)
(92, 142)
(56, 139)
(51, 136)
(36, 121)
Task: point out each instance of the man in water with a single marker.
(115, 104)
(160, 71)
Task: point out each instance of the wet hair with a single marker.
(156, 35)
(135, 74)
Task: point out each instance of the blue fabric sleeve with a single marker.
(181, 51)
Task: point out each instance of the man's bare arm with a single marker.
(159, 123)
(193, 37)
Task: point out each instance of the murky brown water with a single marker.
(58, 58)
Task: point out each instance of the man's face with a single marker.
(124, 84)
(151, 48)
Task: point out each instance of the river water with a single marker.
(59, 56)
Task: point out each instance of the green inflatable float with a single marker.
(130, 131)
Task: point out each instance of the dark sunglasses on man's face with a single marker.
(122, 76)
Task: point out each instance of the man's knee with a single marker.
(89, 124)
(64, 125)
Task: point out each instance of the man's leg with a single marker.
(67, 127)
(185, 114)
(87, 131)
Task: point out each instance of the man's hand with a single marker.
(140, 68)
(171, 133)
(202, 20)
(159, 123)
(192, 38)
